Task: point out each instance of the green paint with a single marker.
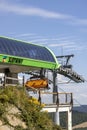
(27, 62)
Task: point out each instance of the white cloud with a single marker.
(39, 40)
(77, 48)
(47, 40)
(8, 7)
(25, 35)
(56, 45)
(64, 44)
(31, 11)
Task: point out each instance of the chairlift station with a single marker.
(19, 56)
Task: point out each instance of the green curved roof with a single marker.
(18, 52)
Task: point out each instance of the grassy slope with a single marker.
(28, 111)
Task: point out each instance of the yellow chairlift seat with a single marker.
(37, 83)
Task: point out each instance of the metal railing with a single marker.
(12, 81)
(60, 98)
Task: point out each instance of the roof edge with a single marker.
(57, 64)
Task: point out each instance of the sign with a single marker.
(15, 60)
(4, 58)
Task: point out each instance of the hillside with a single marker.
(81, 126)
(82, 108)
(18, 111)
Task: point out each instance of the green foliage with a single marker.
(56, 127)
(18, 128)
(4, 98)
(2, 109)
(30, 111)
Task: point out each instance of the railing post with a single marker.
(23, 80)
(39, 98)
(55, 97)
(23, 83)
(4, 84)
(57, 102)
(66, 98)
(71, 99)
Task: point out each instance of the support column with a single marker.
(56, 118)
(69, 120)
(55, 98)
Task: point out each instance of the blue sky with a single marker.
(60, 25)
